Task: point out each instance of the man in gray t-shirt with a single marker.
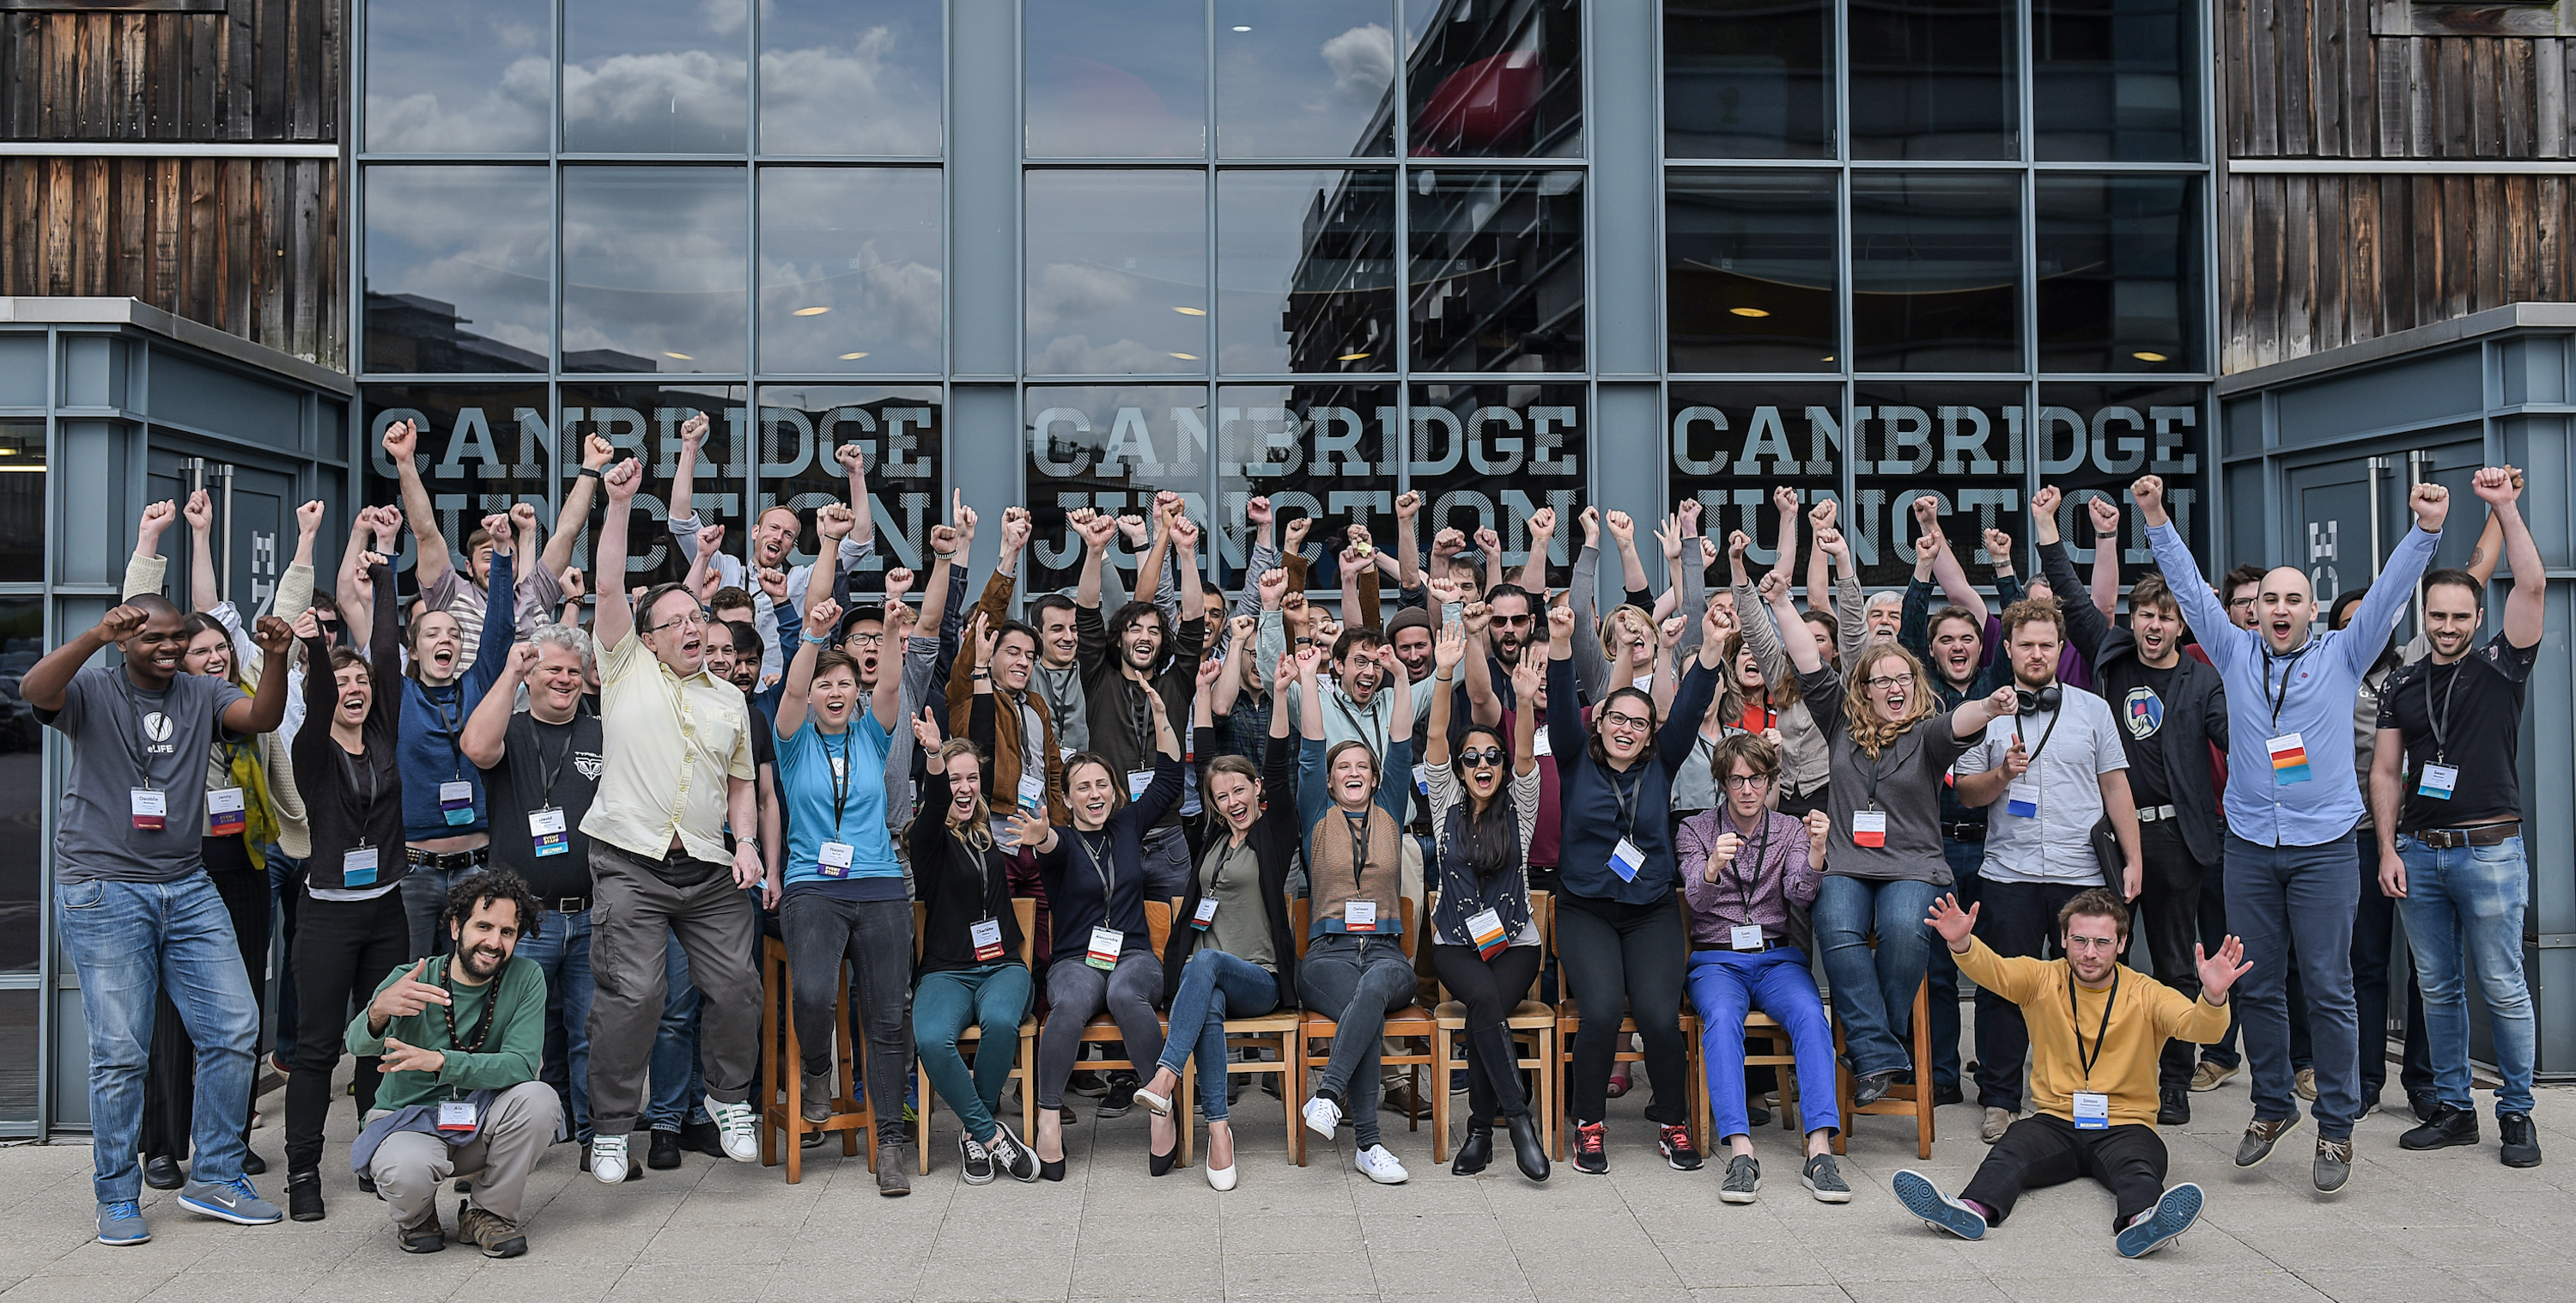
(139, 915)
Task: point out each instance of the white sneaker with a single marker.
(607, 1158)
(1323, 1116)
(1378, 1164)
(738, 1125)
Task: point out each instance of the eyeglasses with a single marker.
(2106, 944)
(686, 620)
(865, 640)
(1886, 681)
(1623, 720)
(2240, 601)
(1489, 758)
(1746, 782)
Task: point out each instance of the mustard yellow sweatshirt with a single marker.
(2149, 1013)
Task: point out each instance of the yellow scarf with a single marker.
(240, 761)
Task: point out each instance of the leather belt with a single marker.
(448, 861)
(2152, 813)
(563, 904)
(1964, 832)
(2485, 834)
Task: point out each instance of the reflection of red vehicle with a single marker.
(1480, 105)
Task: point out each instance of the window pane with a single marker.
(23, 844)
(22, 503)
(849, 269)
(1486, 456)
(1732, 444)
(2119, 272)
(18, 1031)
(1750, 273)
(1117, 272)
(1305, 265)
(1936, 271)
(471, 76)
(2093, 440)
(482, 449)
(1502, 78)
(1116, 78)
(654, 76)
(1748, 79)
(1497, 276)
(653, 269)
(850, 76)
(1317, 450)
(1934, 79)
(1111, 448)
(1303, 78)
(458, 260)
(898, 431)
(1961, 443)
(2116, 79)
(643, 421)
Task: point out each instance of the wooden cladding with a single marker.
(253, 247)
(2307, 79)
(250, 70)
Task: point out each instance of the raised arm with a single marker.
(1218, 697)
(863, 516)
(2201, 608)
(1183, 535)
(575, 511)
(1095, 531)
(1797, 639)
(682, 518)
(431, 561)
(486, 736)
(145, 571)
(2105, 515)
(1820, 580)
(1448, 652)
(2526, 607)
(1632, 568)
(1408, 543)
(613, 618)
(2087, 627)
(821, 619)
(1693, 582)
(1533, 575)
(1591, 667)
(2490, 546)
(203, 591)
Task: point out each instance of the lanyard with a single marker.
(840, 776)
(1874, 762)
(2078, 1028)
(1627, 795)
(1099, 853)
(349, 771)
(1744, 881)
(2281, 697)
(2045, 734)
(134, 749)
(453, 725)
(1359, 829)
(550, 770)
(491, 1008)
(983, 872)
(2441, 718)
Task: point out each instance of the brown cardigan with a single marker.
(1009, 746)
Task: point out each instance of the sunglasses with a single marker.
(1489, 758)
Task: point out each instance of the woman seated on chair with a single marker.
(1883, 860)
(1232, 953)
(1355, 971)
(1749, 875)
(1485, 944)
(1617, 933)
(970, 972)
(1103, 958)
(844, 894)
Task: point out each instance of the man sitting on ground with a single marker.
(460, 1038)
(2095, 1108)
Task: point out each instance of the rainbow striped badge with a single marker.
(1486, 928)
(2289, 759)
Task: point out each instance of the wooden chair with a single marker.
(782, 1065)
(1533, 1020)
(1905, 1097)
(1024, 1059)
(1103, 1030)
(1761, 1026)
(1569, 1022)
(1412, 1020)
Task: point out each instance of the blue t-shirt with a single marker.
(819, 771)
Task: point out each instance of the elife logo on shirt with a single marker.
(157, 728)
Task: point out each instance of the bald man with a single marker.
(2293, 800)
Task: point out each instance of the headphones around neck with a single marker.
(2033, 703)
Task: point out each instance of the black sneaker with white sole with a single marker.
(1015, 1159)
(978, 1160)
(1675, 1141)
(2173, 1214)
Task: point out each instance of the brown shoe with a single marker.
(814, 1099)
(891, 1182)
(1401, 1101)
(497, 1236)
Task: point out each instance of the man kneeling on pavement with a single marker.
(460, 1037)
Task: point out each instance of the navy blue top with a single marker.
(1084, 890)
(433, 717)
(1599, 805)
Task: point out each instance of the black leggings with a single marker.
(170, 1073)
(1490, 989)
(344, 950)
(1625, 961)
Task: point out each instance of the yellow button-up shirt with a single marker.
(671, 743)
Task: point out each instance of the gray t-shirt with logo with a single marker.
(124, 738)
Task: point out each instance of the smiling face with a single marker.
(1748, 673)
(1055, 629)
(1350, 774)
(1956, 644)
(965, 778)
(210, 653)
(357, 695)
(155, 653)
(2284, 608)
(774, 537)
(2451, 618)
(1013, 659)
(1885, 611)
(834, 695)
(1640, 639)
(1480, 764)
(1413, 648)
(485, 939)
(1237, 798)
(1360, 671)
(437, 643)
(1625, 723)
(1140, 644)
(1512, 626)
(555, 685)
(2092, 944)
(720, 653)
(1091, 792)
(1887, 687)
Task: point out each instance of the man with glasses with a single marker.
(849, 530)
(678, 772)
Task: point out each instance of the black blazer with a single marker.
(2195, 720)
(1274, 839)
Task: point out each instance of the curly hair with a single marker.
(1870, 733)
(492, 884)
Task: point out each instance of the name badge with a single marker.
(1539, 743)
(1205, 915)
(358, 867)
(151, 809)
(1422, 779)
(456, 801)
(546, 829)
(1869, 827)
(1485, 928)
(1064, 754)
(2289, 759)
(1745, 936)
(1105, 942)
(1626, 859)
(1359, 916)
(833, 860)
(456, 1115)
(2021, 797)
(2092, 1111)
(1032, 792)
(1137, 781)
(2437, 781)
(987, 935)
(226, 815)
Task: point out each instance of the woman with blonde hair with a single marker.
(970, 971)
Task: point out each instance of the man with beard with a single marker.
(2057, 768)
(1137, 652)
(2171, 709)
(446, 833)
(461, 1037)
(851, 534)
(465, 596)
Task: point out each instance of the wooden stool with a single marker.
(1412, 1020)
(782, 1065)
(1905, 1097)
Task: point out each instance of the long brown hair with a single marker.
(977, 831)
(1869, 732)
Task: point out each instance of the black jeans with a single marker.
(2169, 900)
(170, 1071)
(875, 937)
(2213, 933)
(2373, 932)
(2043, 1150)
(1491, 989)
(1625, 961)
(344, 949)
(2014, 919)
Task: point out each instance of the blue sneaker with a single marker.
(2163, 1224)
(1938, 1211)
(121, 1222)
(232, 1201)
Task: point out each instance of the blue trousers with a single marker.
(2464, 908)
(2302, 898)
(1723, 985)
(1874, 990)
(1215, 986)
(993, 999)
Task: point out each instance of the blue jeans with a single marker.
(993, 998)
(2282, 899)
(1726, 983)
(1356, 980)
(424, 898)
(1874, 989)
(1214, 986)
(131, 942)
(2474, 895)
(1965, 859)
(561, 950)
(678, 1080)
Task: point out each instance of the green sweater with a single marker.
(510, 1054)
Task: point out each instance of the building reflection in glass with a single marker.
(1305, 271)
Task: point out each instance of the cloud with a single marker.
(1070, 293)
(683, 99)
(1363, 62)
(508, 116)
(864, 98)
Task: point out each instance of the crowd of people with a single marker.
(523, 847)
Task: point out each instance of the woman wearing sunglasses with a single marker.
(1617, 933)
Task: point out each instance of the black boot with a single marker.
(304, 1196)
(1526, 1149)
(1478, 1151)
